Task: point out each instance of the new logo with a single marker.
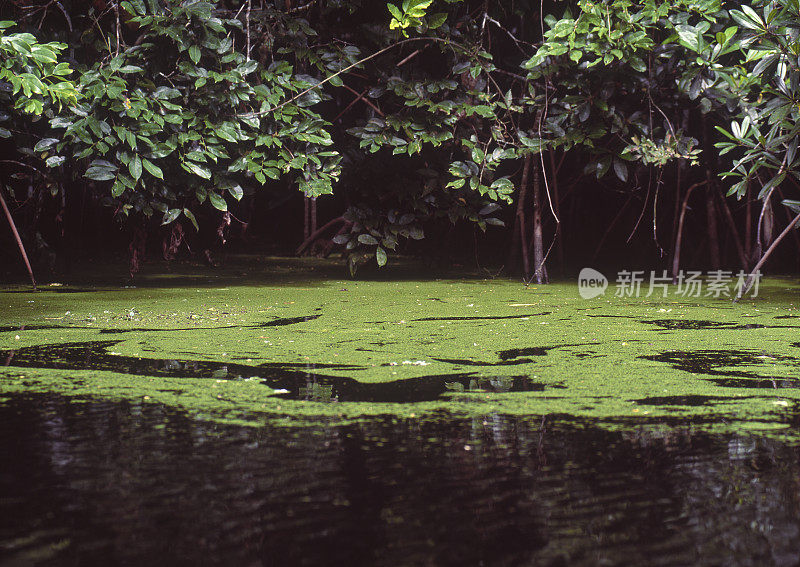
(591, 283)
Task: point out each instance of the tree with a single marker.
(38, 82)
(765, 133)
(419, 115)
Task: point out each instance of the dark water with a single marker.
(719, 363)
(298, 381)
(104, 483)
(688, 324)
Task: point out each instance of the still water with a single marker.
(297, 420)
(127, 483)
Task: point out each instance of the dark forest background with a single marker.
(532, 137)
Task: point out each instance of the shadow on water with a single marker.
(700, 324)
(483, 318)
(106, 483)
(512, 356)
(720, 362)
(295, 381)
(691, 324)
(11, 328)
(692, 400)
(469, 318)
(280, 322)
(274, 323)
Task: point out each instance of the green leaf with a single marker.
(117, 189)
(416, 8)
(380, 256)
(637, 64)
(744, 20)
(194, 54)
(752, 14)
(227, 131)
(218, 202)
(792, 204)
(190, 215)
(688, 37)
(236, 192)
(197, 169)
(367, 239)
(503, 186)
(602, 166)
(152, 168)
(170, 216)
(101, 172)
(130, 69)
(248, 67)
(436, 20)
(135, 167)
(44, 143)
(396, 14)
(769, 185)
(416, 233)
(621, 169)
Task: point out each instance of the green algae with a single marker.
(594, 359)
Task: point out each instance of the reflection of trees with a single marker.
(745, 502)
(140, 484)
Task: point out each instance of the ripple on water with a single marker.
(140, 484)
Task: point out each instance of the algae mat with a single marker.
(298, 348)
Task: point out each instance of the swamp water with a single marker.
(288, 419)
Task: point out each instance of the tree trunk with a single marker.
(556, 203)
(539, 270)
(519, 240)
(676, 257)
(735, 231)
(306, 216)
(680, 167)
(748, 228)
(763, 259)
(313, 214)
(18, 239)
(795, 235)
(319, 232)
(711, 223)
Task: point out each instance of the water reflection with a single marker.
(292, 380)
(121, 483)
(689, 324)
(721, 362)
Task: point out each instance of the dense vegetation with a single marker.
(568, 122)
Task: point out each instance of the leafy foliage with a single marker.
(183, 117)
(413, 116)
(766, 82)
(36, 75)
(622, 69)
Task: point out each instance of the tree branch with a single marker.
(749, 282)
(316, 234)
(17, 238)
